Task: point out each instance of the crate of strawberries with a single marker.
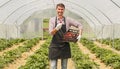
(71, 35)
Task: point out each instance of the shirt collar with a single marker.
(62, 18)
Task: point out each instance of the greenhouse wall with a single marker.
(30, 29)
(9, 31)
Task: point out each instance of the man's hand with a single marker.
(58, 26)
(79, 37)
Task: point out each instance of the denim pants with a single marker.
(53, 64)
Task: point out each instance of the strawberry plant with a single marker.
(107, 56)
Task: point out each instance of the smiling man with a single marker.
(59, 49)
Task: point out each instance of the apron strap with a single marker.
(60, 31)
(56, 20)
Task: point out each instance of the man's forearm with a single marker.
(53, 31)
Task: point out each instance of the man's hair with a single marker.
(61, 5)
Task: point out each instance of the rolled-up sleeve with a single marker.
(75, 23)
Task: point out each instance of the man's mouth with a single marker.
(60, 13)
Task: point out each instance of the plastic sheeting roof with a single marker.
(95, 12)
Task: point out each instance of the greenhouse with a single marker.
(100, 16)
(26, 21)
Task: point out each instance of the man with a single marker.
(59, 49)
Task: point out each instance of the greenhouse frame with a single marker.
(22, 18)
(26, 38)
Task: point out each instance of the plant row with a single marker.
(39, 60)
(81, 60)
(107, 56)
(6, 43)
(11, 55)
(115, 43)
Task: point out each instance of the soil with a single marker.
(11, 48)
(22, 60)
(106, 47)
(93, 57)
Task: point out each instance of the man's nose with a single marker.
(60, 10)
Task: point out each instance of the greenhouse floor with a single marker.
(22, 60)
(93, 57)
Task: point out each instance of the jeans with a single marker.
(53, 64)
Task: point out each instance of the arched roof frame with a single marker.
(13, 11)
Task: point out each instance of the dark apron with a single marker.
(59, 49)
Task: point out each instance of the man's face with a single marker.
(60, 11)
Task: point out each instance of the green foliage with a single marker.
(39, 60)
(114, 43)
(82, 61)
(5, 43)
(45, 23)
(11, 55)
(107, 56)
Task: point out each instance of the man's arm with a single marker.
(75, 23)
(78, 25)
(52, 29)
(51, 26)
